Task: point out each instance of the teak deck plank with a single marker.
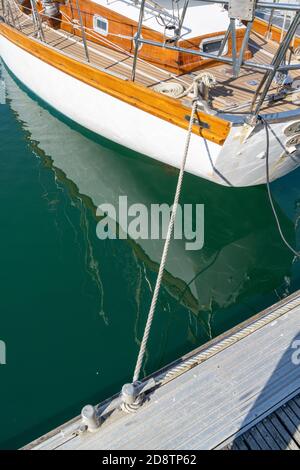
(230, 93)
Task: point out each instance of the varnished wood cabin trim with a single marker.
(261, 27)
(118, 24)
(161, 106)
(190, 62)
(172, 61)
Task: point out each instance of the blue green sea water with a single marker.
(73, 307)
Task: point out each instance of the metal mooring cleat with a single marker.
(90, 418)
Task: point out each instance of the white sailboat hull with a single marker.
(238, 162)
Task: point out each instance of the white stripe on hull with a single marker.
(235, 163)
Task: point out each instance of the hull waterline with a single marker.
(238, 162)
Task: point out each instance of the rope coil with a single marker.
(172, 89)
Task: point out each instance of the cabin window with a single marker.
(212, 45)
(101, 25)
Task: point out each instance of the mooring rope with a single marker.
(207, 78)
(144, 342)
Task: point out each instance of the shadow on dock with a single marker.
(279, 427)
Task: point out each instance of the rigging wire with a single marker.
(296, 253)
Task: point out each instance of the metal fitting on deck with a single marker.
(252, 120)
(131, 398)
(129, 394)
(51, 8)
(90, 418)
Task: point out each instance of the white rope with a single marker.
(144, 342)
(207, 78)
(172, 89)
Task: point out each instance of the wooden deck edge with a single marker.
(261, 27)
(211, 127)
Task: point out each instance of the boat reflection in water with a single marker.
(243, 265)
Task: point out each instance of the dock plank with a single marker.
(259, 438)
(291, 421)
(280, 430)
(296, 409)
(269, 437)
(239, 444)
(283, 432)
(251, 441)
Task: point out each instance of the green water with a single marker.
(73, 308)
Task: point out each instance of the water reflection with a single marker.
(74, 327)
(243, 253)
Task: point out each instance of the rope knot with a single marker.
(207, 78)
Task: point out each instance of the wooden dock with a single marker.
(239, 391)
(278, 431)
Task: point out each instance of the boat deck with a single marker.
(230, 94)
(213, 396)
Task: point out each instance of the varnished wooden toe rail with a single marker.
(210, 127)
